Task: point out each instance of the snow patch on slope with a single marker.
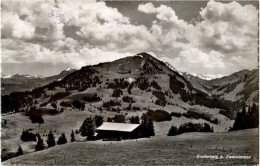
(130, 80)
(201, 76)
(140, 55)
(20, 76)
(170, 66)
(6, 76)
(207, 76)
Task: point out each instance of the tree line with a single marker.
(247, 118)
(189, 127)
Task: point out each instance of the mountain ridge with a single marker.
(127, 87)
(25, 82)
(146, 73)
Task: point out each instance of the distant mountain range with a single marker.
(204, 76)
(24, 82)
(201, 76)
(239, 86)
(148, 81)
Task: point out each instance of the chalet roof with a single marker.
(111, 126)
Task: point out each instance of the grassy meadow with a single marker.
(159, 150)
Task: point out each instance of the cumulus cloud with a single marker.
(194, 60)
(102, 33)
(79, 33)
(13, 26)
(114, 36)
(168, 20)
(213, 42)
(197, 58)
(226, 27)
(25, 52)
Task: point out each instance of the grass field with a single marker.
(159, 150)
(68, 121)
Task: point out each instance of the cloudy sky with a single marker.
(45, 37)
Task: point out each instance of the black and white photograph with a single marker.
(135, 82)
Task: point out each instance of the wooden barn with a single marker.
(119, 131)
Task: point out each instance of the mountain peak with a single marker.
(145, 55)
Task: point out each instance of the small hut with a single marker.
(119, 131)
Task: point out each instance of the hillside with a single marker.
(237, 89)
(178, 150)
(242, 85)
(143, 72)
(20, 83)
(145, 79)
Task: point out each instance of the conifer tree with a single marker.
(254, 114)
(144, 120)
(5, 122)
(207, 128)
(62, 139)
(88, 127)
(20, 151)
(244, 119)
(137, 120)
(98, 120)
(132, 120)
(51, 139)
(173, 131)
(72, 137)
(150, 127)
(247, 119)
(40, 145)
